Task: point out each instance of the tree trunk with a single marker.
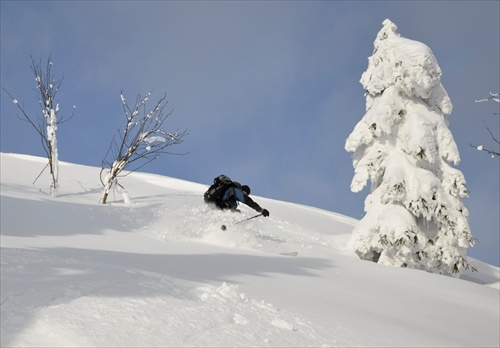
(105, 198)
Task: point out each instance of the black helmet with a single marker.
(246, 189)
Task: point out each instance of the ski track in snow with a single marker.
(197, 221)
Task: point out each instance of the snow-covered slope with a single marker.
(160, 272)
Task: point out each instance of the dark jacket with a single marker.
(235, 194)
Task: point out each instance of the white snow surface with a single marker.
(159, 272)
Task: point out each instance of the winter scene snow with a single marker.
(117, 256)
(160, 272)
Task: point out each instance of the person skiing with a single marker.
(226, 194)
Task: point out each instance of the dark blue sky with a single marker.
(269, 90)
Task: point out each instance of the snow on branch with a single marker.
(494, 153)
(493, 96)
(46, 124)
(142, 140)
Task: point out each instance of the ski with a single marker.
(293, 253)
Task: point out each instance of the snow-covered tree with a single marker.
(47, 87)
(140, 142)
(414, 213)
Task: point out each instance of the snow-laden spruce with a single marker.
(414, 214)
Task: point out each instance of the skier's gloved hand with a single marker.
(265, 212)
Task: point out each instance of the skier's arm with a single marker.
(240, 196)
(251, 203)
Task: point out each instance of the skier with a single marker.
(225, 194)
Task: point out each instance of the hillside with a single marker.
(159, 271)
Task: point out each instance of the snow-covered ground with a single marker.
(160, 272)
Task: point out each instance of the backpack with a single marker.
(215, 192)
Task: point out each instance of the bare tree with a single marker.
(494, 97)
(45, 125)
(141, 141)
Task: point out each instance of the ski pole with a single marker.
(224, 227)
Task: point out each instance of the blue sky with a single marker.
(269, 90)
